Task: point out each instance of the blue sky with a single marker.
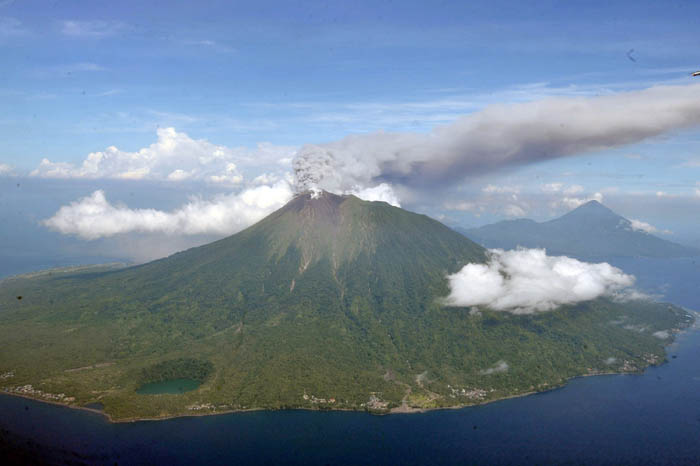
(79, 77)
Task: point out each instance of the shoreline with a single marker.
(397, 410)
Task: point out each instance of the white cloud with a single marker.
(502, 199)
(663, 334)
(574, 202)
(527, 280)
(661, 194)
(210, 44)
(179, 175)
(465, 206)
(95, 217)
(204, 42)
(230, 175)
(109, 92)
(11, 27)
(510, 206)
(694, 162)
(499, 136)
(91, 29)
(83, 67)
(65, 70)
(552, 187)
(574, 189)
(173, 157)
(512, 210)
(382, 192)
(499, 367)
(493, 189)
(266, 178)
(5, 169)
(697, 190)
(642, 226)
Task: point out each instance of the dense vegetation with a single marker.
(181, 368)
(326, 303)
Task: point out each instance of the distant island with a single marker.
(590, 231)
(330, 302)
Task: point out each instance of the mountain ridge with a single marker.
(591, 231)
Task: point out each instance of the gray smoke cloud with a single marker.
(497, 137)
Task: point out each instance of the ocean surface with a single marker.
(653, 418)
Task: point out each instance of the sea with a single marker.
(651, 418)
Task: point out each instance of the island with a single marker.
(330, 302)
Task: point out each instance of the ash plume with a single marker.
(498, 137)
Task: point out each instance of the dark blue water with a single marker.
(652, 418)
(176, 386)
(674, 280)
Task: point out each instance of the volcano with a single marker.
(331, 302)
(590, 231)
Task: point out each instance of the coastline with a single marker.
(695, 326)
(397, 410)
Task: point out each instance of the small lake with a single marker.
(168, 387)
(653, 418)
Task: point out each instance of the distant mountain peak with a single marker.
(590, 230)
(591, 204)
(591, 211)
(593, 207)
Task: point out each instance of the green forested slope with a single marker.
(328, 298)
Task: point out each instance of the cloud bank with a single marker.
(176, 157)
(568, 196)
(91, 29)
(639, 225)
(173, 157)
(382, 192)
(514, 201)
(95, 217)
(5, 169)
(525, 281)
(497, 137)
(372, 165)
